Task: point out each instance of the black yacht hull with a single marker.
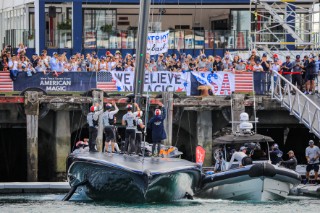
(126, 178)
(258, 182)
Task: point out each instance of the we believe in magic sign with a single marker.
(221, 83)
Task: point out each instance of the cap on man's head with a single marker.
(152, 59)
(264, 55)
(311, 142)
(290, 152)
(108, 53)
(275, 146)
(157, 112)
(118, 52)
(134, 55)
(54, 53)
(243, 148)
(297, 56)
(129, 107)
(275, 56)
(183, 54)
(108, 106)
(311, 56)
(92, 109)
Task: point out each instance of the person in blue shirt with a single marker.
(275, 154)
(157, 128)
(54, 64)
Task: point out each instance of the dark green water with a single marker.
(52, 203)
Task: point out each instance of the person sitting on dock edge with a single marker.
(108, 124)
(291, 163)
(157, 128)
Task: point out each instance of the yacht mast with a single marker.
(141, 50)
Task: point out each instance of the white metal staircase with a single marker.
(275, 20)
(298, 104)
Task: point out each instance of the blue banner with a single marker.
(67, 81)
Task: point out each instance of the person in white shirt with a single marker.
(108, 124)
(312, 156)
(239, 156)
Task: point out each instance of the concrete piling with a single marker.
(204, 134)
(62, 143)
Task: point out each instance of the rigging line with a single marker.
(160, 10)
(152, 13)
(177, 138)
(191, 148)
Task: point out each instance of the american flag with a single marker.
(6, 83)
(105, 82)
(244, 82)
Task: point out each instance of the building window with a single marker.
(94, 19)
(98, 27)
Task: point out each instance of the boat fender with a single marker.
(265, 169)
(256, 170)
(269, 170)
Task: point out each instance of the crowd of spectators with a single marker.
(305, 70)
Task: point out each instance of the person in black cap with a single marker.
(310, 76)
(286, 68)
(265, 74)
(297, 67)
(291, 163)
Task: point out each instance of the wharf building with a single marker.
(86, 25)
(39, 128)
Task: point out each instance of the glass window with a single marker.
(99, 19)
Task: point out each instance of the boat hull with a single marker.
(259, 182)
(149, 180)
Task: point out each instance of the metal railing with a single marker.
(299, 105)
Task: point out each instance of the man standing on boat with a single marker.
(291, 163)
(93, 121)
(157, 128)
(140, 129)
(241, 157)
(129, 120)
(108, 124)
(275, 154)
(312, 155)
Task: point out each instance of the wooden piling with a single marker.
(32, 115)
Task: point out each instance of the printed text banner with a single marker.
(158, 43)
(154, 81)
(68, 81)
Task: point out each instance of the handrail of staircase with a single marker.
(277, 92)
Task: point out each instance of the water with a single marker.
(52, 203)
